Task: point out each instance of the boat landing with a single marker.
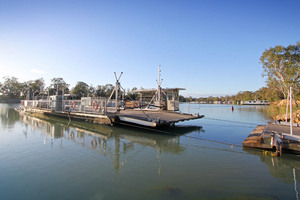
(274, 136)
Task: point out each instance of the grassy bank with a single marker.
(277, 111)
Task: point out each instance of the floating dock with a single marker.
(274, 137)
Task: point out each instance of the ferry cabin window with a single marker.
(170, 95)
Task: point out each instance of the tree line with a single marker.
(264, 93)
(281, 66)
(11, 88)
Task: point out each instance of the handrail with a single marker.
(92, 105)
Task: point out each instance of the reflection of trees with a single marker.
(8, 116)
(282, 168)
(285, 168)
(120, 144)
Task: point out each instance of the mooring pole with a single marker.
(291, 109)
(287, 107)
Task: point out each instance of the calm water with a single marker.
(47, 158)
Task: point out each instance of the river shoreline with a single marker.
(277, 111)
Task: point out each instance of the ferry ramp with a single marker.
(154, 118)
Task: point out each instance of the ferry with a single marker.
(155, 107)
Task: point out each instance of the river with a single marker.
(52, 158)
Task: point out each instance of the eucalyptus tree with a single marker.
(108, 88)
(92, 91)
(99, 91)
(130, 95)
(31, 88)
(11, 87)
(81, 89)
(282, 67)
(58, 86)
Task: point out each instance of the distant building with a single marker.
(255, 102)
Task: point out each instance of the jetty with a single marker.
(275, 137)
(154, 107)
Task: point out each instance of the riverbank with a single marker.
(277, 111)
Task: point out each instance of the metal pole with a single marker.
(48, 100)
(287, 107)
(291, 109)
(116, 95)
(159, 87)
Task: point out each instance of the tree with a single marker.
(130, 95)
(58, 86)
(92, 91)
(182, 98)
(281, 65)
(33, 87)
(108, 88)
(11, 87)
(100, 91)
(81, 89)
(104, 90)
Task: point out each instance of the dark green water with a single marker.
(47, 158)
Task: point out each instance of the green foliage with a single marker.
(35, 87)
(182, 98)
(104, 90)
(11, 87)
(58, 86)
(282, 67)
(81, 89)
(130, 95)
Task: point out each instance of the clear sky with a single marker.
(208, 47)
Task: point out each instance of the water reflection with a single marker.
(279, 167)
(119, 143)
(8, 115)
(85, 160)
(285, 168)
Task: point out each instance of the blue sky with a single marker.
(208, 47)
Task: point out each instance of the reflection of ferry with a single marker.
(116, 142)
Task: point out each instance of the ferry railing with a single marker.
(88, 106)
(31, 104)
(111, 106)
